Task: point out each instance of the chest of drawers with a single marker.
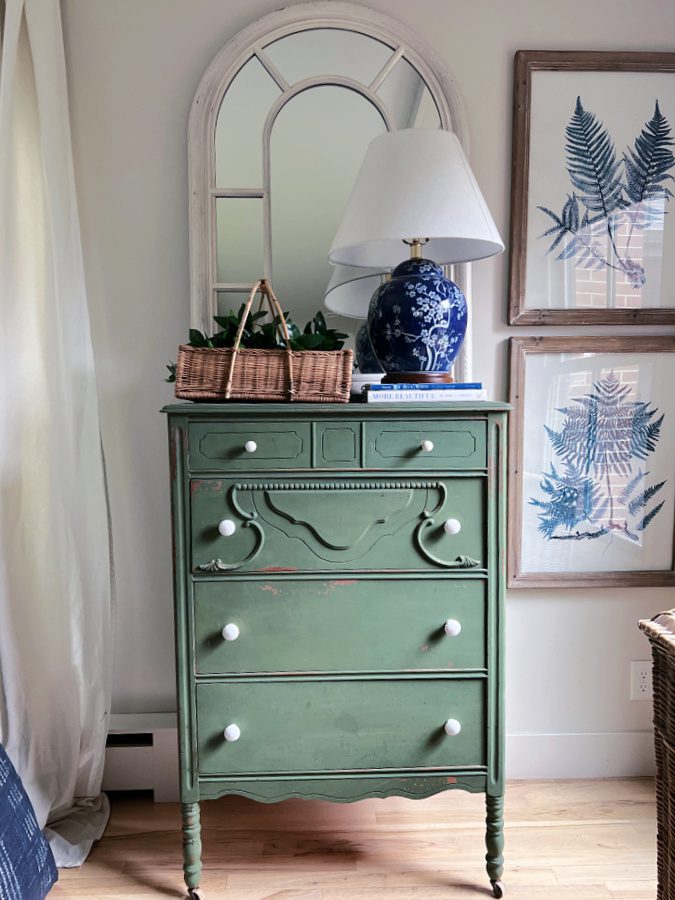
(339, 574)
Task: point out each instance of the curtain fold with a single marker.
(55, 569)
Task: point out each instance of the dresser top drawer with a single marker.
(426, 444)
(228, 445)
(407, 443)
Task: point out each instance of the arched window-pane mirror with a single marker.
(278, 130)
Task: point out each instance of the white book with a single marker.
(425, 396)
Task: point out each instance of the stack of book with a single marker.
(425, 393)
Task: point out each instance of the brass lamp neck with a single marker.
(416, 245)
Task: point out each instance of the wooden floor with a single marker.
(586, 840)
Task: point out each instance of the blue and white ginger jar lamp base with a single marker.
(417, 322)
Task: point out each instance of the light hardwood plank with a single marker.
(583, 840)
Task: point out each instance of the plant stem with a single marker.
(599, 256)
(610, 495)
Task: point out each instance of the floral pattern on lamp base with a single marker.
(417, 320)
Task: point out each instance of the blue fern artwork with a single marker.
(611, 192)
(605, 438)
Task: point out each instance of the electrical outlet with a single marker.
(641, 680)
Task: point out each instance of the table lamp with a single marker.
(415, 187)
(348, 294)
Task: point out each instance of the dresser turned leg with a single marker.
(494, 841)
(192, 849)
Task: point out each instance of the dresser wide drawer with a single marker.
(319, 525)
(308, 726)
(249, 446)
(426, 444)
(338, 625)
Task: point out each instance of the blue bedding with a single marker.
(27, 869)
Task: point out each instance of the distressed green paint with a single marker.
(339, 625)
(340, 577)
(337, 524)
(192, 844)
(339, 788)
(336, 725)
(338, 444)
(494, 839)
(222, 446)
(460, 444)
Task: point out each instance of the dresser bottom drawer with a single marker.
(305, 725)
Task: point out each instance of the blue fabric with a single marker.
(27, 869)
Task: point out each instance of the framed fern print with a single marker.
(592, 467)
(592, 209)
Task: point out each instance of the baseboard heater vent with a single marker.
(142, 739)
(142, 755)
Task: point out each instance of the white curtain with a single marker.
(55, 570)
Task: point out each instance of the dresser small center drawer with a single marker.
(215, 446)
(339, 625)
(312, 725)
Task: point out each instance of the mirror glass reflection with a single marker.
(316, 145)
(313, 171)
(240, 239)
(328, 51)
(239, 129)
(407, 97)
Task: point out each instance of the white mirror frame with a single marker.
(204, 115)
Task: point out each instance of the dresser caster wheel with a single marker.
(498, 888)
(198, 894)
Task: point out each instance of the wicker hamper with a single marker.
(661, 633)
(236, 373)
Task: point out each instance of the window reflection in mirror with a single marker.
(317, 146)
(240, 126)
(328, 51)
(240, 239)
(408, 98)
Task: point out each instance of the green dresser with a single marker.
(339, 574)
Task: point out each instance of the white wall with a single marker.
(133, 66)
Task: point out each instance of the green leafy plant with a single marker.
(259, 335)
(316, 335)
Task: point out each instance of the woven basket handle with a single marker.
(268, 294)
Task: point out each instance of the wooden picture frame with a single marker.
(540, 186)
(586, 475)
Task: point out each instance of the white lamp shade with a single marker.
(415, 183)
(350, 289)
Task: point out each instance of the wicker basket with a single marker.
(235, 373)
(661, 633)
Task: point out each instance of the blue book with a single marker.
(428, 386)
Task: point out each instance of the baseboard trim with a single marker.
(152, 767)
(616, 754)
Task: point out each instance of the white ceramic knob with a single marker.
(227, 527)
(427, 446)
(250, 446)
(452, 627)
(232, 733)
(452, 526)
(231, 632)
(453, 727)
